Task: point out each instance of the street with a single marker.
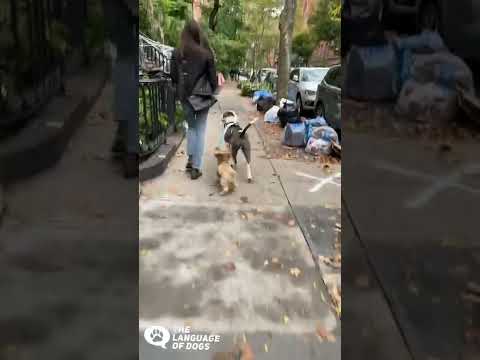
(245, 265)
(411, 207)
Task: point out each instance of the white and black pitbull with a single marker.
(237, 139)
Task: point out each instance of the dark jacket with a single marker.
(193, 66)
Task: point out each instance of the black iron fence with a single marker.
(35, 37)
(154, 60)
(157, 113)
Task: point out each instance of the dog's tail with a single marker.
(242, 134)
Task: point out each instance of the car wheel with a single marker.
(429, 17)
(299, 105)
(320, 109)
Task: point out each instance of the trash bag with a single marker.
(444, 69)
(260, 94)
(271, 116)
(294, 134)
(311, 125)
(372, 73)
(427, 102)
(361, 24)
(432, 92)
(426, 43)
(265, 103)
(325, 133)
(288, 113)
(318, 146)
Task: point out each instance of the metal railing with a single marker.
(156, 113)
(31, 70)
(153, 56)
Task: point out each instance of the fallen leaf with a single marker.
(265, 346)
(286, 319)
(143, 252)
(247, 352)
(362, 281)
(295, 272)
(230, 267)
(323, 334)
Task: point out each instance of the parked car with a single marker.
(261, 74)
(302, 87)
(329, 97)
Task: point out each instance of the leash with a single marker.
(221, 141)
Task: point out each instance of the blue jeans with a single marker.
(197, 124)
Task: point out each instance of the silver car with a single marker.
(302, 87)
(328, 102)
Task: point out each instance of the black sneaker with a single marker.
(195, 174)
(189, 167)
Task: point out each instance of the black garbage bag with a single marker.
(288, 114)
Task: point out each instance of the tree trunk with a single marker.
(286, 25)
(212, 21)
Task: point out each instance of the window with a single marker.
(334, 77)
(316, 75)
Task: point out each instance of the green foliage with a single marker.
(57, 38)
(163, 20)
(325, 23)
(95, 29)
(248, 88)
(303, 45)
(179, 115)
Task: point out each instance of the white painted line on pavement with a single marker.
(321, 181)
(438, 183)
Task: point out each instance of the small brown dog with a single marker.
(226, 174)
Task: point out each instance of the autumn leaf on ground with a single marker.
(286, 319)
(362, 281)
(295, 272)
(323, 334)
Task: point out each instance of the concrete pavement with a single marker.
(414, 206)
(237, 265)
(69, 254)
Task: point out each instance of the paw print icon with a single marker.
(157, 336)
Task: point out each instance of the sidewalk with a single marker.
(238, 265)
(67, 254)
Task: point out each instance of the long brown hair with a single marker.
(193, 41)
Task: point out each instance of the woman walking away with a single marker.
(195, 77)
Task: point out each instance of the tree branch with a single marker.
(213, 20)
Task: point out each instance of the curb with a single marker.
(156, 164)
(46, 152)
